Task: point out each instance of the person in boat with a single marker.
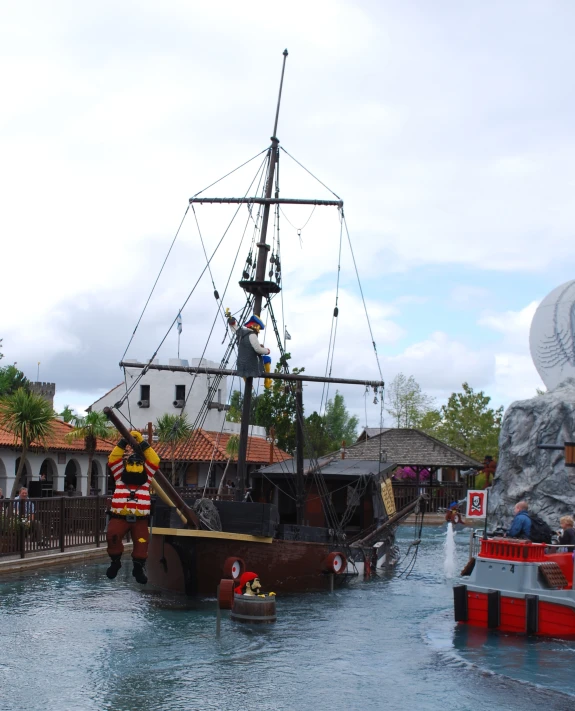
(521, 524)
(453, 514)
(250, 362)
(130, 510)
(567, 532)
(248, 584)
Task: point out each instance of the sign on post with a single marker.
(476, 504)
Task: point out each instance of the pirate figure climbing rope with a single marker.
(253, 358)
(130, 509)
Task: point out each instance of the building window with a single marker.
(180, 392)
(144, 400)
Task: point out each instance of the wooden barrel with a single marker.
(254, 610)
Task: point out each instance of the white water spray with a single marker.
(450, 553)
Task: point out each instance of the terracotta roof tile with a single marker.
(202, 445)
(56, 441)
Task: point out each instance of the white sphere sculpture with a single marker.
(552, 336)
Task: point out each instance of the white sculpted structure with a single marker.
(552, 336)
(539, 476)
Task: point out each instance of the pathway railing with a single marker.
(439, 495)
(34, 525)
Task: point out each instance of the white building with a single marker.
(161, 392)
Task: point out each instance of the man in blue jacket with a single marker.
(521, 524)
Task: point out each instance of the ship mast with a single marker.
(262, 289)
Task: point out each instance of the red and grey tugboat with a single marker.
(519, 586)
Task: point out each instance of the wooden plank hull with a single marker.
(194, 566)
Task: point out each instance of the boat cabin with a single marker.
(354, 490)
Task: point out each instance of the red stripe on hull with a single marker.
(554, 620)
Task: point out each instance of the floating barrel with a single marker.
(336, 563)
(254, 609)
(226, 594)
(233, 567)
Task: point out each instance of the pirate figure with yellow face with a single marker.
(130, 509)
(253, 358)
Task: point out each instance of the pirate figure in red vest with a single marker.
(253, 358)
(130, 509)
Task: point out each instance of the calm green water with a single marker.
(72, 640)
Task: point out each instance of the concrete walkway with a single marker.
(44, 559)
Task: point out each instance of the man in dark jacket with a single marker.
(521, 524)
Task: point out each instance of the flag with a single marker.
(287, 336)
(179, 323)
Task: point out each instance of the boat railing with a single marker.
(512, 549)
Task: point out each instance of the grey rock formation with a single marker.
(538, 476)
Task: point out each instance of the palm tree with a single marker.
(29, 417)
(232, 449)
(172, 429)
(67, 414)
(95, 425)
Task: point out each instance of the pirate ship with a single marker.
(517, 585)
(309, 523)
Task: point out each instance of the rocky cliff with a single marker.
(536, 475)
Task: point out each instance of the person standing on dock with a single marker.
(130, 509)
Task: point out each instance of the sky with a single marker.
(445, 127)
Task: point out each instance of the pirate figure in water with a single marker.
(130, 509)
(253, 358)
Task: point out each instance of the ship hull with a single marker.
(195, 566)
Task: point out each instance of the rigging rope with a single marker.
(156, 282)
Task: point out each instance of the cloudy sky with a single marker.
(445, 126)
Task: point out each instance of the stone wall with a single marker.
(536, 475)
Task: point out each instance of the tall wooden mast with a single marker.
(260, 288)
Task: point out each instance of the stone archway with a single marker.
(48, 476)
(95, 478)
(71, 476)
(4, 480)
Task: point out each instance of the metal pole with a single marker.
(300, 493)
(218, 613)
(285, 53)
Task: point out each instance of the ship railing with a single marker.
(439, 496)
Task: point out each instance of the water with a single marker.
(450, 552)
(72, 640)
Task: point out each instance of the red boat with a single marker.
(519, 586)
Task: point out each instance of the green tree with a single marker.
(67, 414)
(29, 418)
(406, 402)
(236, 404)
(317, 436)
(232, 449)
(95, 425)
(467, 423)
(339, 425)
(11, 379)
(171, 430)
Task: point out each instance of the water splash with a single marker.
(450, 553)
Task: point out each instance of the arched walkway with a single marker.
(3, 479)
(48, 471)
(96, 478)
(26, 475)
(71, 475)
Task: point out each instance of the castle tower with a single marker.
(46, 390)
